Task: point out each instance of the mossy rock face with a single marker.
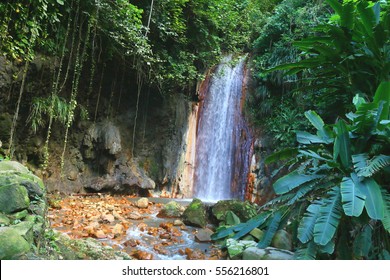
(13, 198)
(12, 245)
(243, 210)
(25, 229)
(195, 214)
(171, 210)
(4, 220)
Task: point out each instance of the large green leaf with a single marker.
(383, 94)
(342, 145)
(335, 4)
(306, 138)
(367, 17)
(362, 243)
(386, 217)
(374, 200)
(306, 226)
(271, 230)
(307, 252)
(366, 167)
(323, 131)
(328, 248)
(352, 198)
(251, 224)
(293, 180)
(346, 16)
(329, 218)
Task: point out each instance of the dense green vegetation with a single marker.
(158, 46)
(321, 72)
(335, 196)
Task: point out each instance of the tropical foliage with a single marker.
(337, 190)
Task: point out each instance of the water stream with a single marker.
(223, 140)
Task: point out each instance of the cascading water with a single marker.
(223, 139)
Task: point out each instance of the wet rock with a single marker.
(171, 210)
(108, 218)
(178, 223)
(282, 240)
(269, 253)
(194, 254)
(140, 255)
(203, 235)
(135, 216)
(13, 198)
(244, 210)
(118, 229)
(12, 245)
(100, 234)
(161, 250)
(142, 203)
(195, 214)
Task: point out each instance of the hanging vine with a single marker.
(56, 81)
(80, 59)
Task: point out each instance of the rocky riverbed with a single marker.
(142, 228)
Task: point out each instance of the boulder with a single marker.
(12, 245)
(257, 233)
(12, 172)
(13, 166)
(171, 210)
(19, 215)
(195, 214)
(243, 210)
(13, 198)
(269, 253)
(236, 248)
(142, 203)
(282, 240)
(203, 235)
(25, 229)
(4, 220)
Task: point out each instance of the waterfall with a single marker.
(223, 140)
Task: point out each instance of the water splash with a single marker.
(219, 160)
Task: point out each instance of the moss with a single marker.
(195, 214)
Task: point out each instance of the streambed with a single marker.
(118, 222)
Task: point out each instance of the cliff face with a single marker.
(99, 155)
